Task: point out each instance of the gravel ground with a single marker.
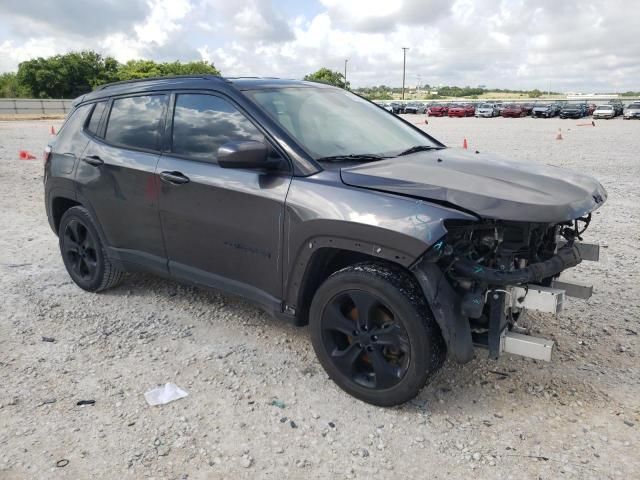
(576, 417)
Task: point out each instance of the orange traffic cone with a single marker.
(25, 155)
(559, 135)
(464, 144)
(53, 130)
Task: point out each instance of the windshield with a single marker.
(635, 106)
(329, 122)
(605, 107)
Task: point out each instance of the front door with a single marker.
(222, 227)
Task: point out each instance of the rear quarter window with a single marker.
(96, 115)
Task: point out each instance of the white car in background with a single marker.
(604, 111)
(487, 110)
(632, 111)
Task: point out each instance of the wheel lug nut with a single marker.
(369, 349)
(374, 338)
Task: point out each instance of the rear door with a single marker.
(222, 227)
(116, 177)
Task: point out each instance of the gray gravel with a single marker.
(576, 417)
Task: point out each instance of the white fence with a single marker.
(26, 106)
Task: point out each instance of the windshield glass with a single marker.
(605, 107)
(634, 106)
(329, 122)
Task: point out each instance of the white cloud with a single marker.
(572, 44)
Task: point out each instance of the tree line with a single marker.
(76, 73)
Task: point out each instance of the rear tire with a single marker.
(83, 253)
(383, 357)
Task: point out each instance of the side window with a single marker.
(137, 121)
(96, 115)
(202, 123)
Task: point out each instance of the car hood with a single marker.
(483, 184)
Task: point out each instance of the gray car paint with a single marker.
(485, 185)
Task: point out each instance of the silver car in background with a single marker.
(486, 110)
(632, 111)
(604, 111)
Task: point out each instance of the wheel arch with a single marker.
(326, 255)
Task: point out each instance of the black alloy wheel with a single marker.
(83, 253)
(79, 249)
(364, 339)
(374, 333)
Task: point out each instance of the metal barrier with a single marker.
(31, 106)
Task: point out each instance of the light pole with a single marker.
(404, 67)
(345, 72)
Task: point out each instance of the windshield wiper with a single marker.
(363, 157)
(418, 148)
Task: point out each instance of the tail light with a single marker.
(47, 154)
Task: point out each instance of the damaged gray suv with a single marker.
(324, 209)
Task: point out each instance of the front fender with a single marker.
(322, 212)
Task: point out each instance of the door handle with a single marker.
(177, 178)
(94, 160)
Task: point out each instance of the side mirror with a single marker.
(244, 154)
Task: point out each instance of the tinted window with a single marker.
(136, 121)
(94, 121)
(202, 123)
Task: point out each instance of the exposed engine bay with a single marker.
(495, 270)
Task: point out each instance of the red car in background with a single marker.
(438, 110)
(514, 110)
(591, 108)
(457, 111)
(470, 109)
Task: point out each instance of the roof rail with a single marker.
(168, 77)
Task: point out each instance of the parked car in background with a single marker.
(457, 110)
(486, 110)
(618, 107)
(604, 111)
(415, 107)
(632, 111)
(438, 110)
(500, 107)
(514, 110)
(573, 110)
(470, 109)
(527, 107)
(591, 108)
(397, 107)
(387, 106)
(545, 110)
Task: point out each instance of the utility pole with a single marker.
(404, 67)
(345, 72)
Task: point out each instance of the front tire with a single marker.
(374, 333)
(83, 253)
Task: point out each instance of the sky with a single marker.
(562, 45)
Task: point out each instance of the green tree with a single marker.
(148, 68)
(325, 75)
(10, 87)
(66, 76)
(535, 93)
